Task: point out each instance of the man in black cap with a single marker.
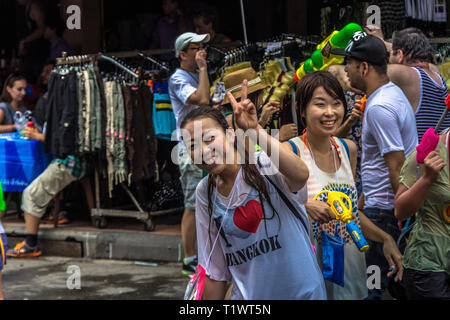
(389, 135)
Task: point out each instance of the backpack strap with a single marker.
(345, 146)
(286, 200)
(294, 147)
(289, 204)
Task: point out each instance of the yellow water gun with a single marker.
(344, 213)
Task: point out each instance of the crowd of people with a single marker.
(255, 224)
(262, 236)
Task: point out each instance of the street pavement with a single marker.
(55, 278)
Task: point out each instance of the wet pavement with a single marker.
(52, 278)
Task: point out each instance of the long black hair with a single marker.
(250, 172)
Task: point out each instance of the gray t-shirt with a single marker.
(267, 259)
(389, 126)
(9, 113)
(182, 85)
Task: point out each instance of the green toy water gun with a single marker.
(322, 58)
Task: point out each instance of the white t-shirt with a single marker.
(182, 85)
(389, 125)
(267, 259)
(1, 229)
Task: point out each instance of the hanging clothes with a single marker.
(164, 120)
(62, 115)
(392, 16)
(141, 139)
(117, 167)
(105, 117)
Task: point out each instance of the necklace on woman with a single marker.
(334, 145)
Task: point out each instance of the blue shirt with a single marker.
(389, 126)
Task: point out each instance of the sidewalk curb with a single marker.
(133, 246)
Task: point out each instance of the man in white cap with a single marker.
(188, 90)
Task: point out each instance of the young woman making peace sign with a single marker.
(245, 231)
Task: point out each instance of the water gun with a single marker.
(363, 103)
(430, 139)
(322, 58)
(2, 200)
(344, 213)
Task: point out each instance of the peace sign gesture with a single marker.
(245, 114)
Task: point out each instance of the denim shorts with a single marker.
(2, 251)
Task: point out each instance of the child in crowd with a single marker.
(426, 189)
(332, 164)
(247, 233)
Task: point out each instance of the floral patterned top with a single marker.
(355, 133)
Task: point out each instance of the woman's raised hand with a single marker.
(245, 115)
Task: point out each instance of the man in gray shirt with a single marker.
(389, 136)
(188, 90)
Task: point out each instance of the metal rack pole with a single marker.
(109, 59)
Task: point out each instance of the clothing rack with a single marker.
(91, 58)
(236, 55)
(67, 60)
(118, 64)
(158, 64)
(240, 54)
(99, 215)
(288, 38)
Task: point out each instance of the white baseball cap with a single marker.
(189, 37)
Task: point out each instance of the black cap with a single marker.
(365, 47)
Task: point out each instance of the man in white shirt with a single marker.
(189, 89)
(389, 135)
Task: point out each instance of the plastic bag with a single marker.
(194, 289)
(333, 258)
(20, 121)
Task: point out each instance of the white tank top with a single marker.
(355, 275)
(341, 181)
